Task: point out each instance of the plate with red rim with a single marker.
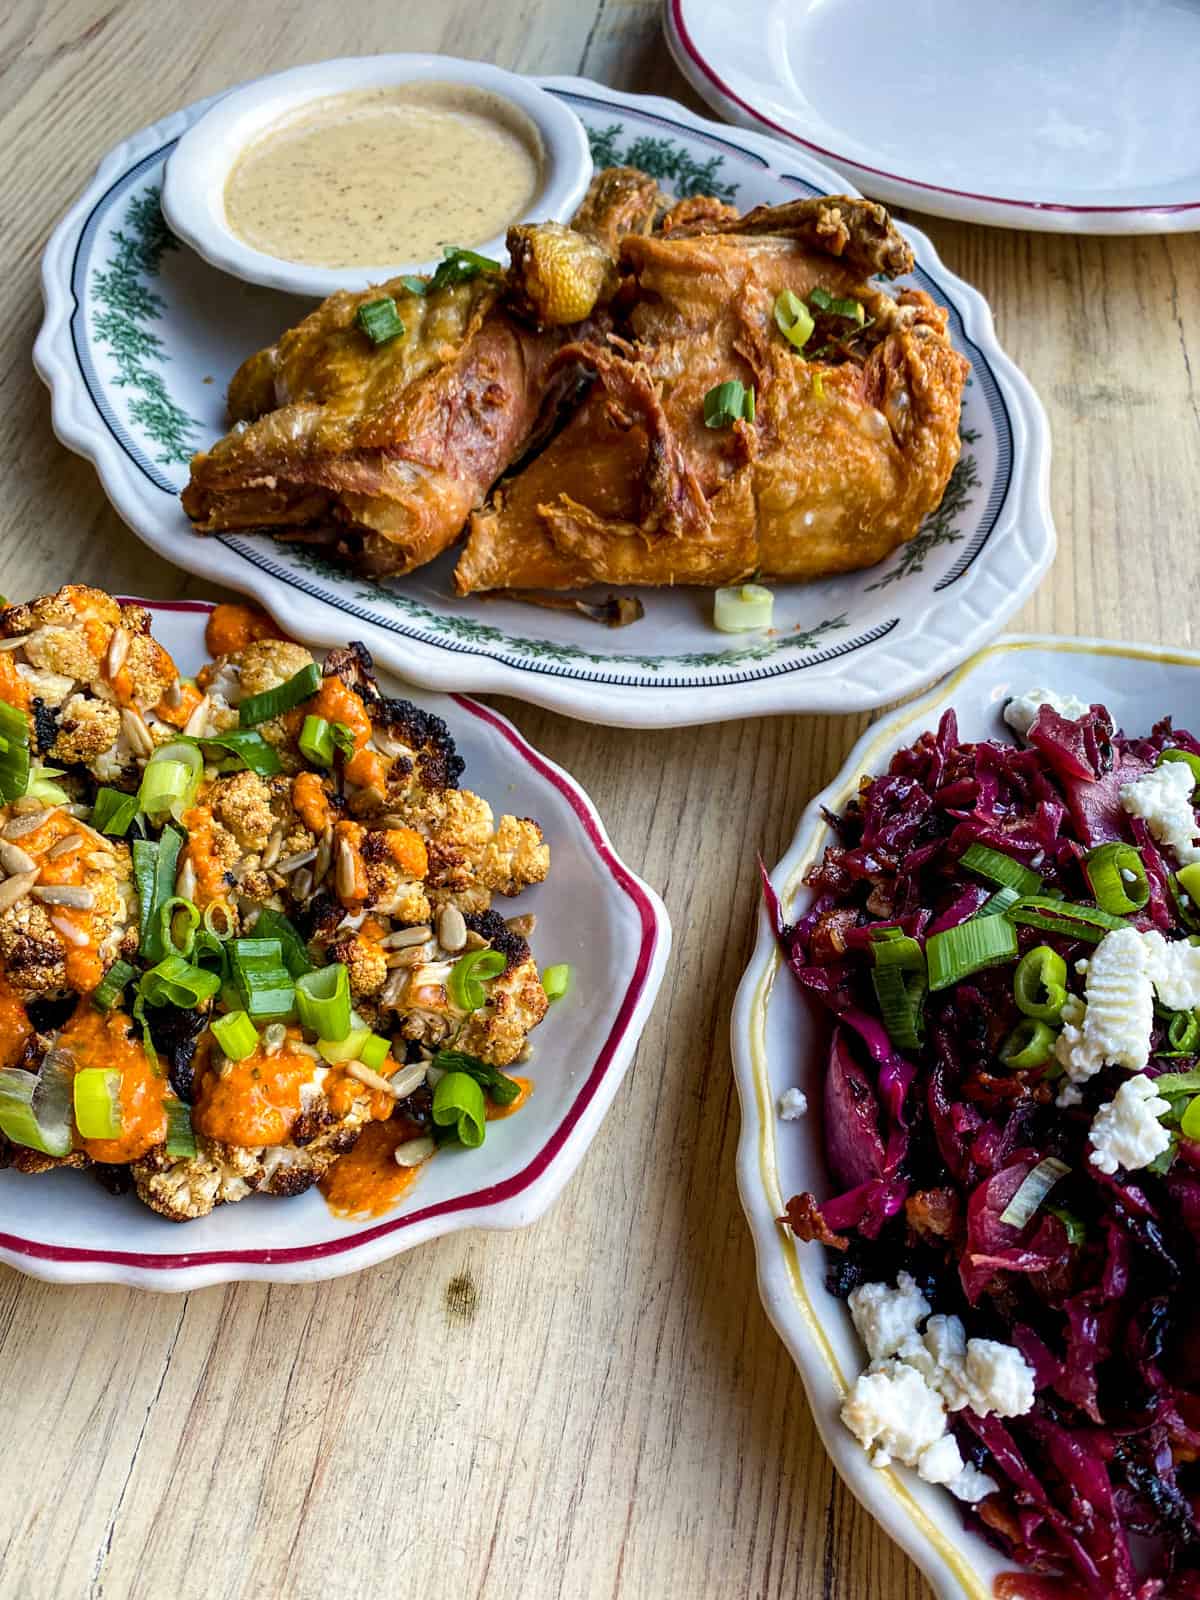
(1086, 124)
(592, 912)
(141, 336)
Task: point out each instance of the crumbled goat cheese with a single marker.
(1021, 711)
(793, 1103)
(1174, 971)
(894, 1414)
(1163, 800)
(1126, 1132)
(1114, 1028)
(885, 1318)
(943, 1463)
(940, 1356)
(999, 1380)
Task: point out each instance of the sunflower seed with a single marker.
(274, 845)
(273, 1036)
(174, 693)
(475, 941)
(300, 859)
(414, 1151)
(69, 931)
(28, 806)
(414, 957)
(138, 734)
(65, 894)
(403, 937)
(72, 841)
(522, 926)
(114, 656)
(302, 884)
(197, 723)
(408, 1079)
(185, 881)
(78, 811)
(12, 644)
(372, 1079)
(13, 859)
(14, 889)
(346, 874)
(392, 989)
(452, 929)
(324, 854)
(101, 860)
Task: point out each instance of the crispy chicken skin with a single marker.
(845, 455)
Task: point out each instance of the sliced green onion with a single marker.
(743, 608)
(178, 920)
(108, 992)
(465, 983)
(1030, 1044)
(900, 984)
(348, 1049)
(273, 924)
(40, 788)
(852, 310)
(1003, 900)
(957, 952)
(14, 755)
(239, 749)
(223, 930)
(498, 1086)
(1060, 916)
(236, 1034)
(272, 703)
(1188, 879)
(343, 738)
(170, 781)
(416, 286)
(380, 320)
(1183, 1032)
(460, 266)
(1040, 984)
(728, 402)
(374, 1051)
(113, 812)
(154, 867)
(323, 1001)
(176, 982)
(97, 1094)
(793, 319)
(458, 1104)
(556, 981)
(1117, 878)
(996, 867)
(264, 983)
(1035, 1186)
(181, 1141)
(1172, 1083)
(1181, 755)
(1189, 1127)
(316, 741)
(35, 1107)
(1076, 1230)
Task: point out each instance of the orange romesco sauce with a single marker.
(367, 1182)
(15, 1026)
(210, 874)
(254, 1102)
(233, 627)
(498, 1113)
(13, 687)
(189, 698)
(82, 962)
(407, 849)
(336, 702)
(310, 801)
(99, 1039)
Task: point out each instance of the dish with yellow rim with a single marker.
(774, 1033)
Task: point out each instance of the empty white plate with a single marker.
(1076, 117)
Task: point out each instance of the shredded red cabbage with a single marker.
(1100, 1483)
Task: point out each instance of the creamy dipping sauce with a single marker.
(384, 176)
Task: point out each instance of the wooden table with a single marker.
(596, 1406)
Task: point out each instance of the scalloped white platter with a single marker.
(592, 912)
(777, 1040)
(141, 336)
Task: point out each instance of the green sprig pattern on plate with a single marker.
(124, 308)
(664, 159)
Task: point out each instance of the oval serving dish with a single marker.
(193, 194)
(592, 913)
(776, 1036)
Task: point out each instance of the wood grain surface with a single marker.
(597, 1406)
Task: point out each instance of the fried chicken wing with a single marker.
(847, 451)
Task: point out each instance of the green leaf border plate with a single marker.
(140, 337)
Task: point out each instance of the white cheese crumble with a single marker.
(1163, 800)
(1174, 971)
(793, 1103)
(1126, 1132)
(1021, 711)
(1114, 1027)
(897, 1408)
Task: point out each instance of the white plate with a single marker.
(141, 337)
(592, 912)
(1068, 118)
(776, 1038)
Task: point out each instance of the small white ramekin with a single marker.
(193, 196)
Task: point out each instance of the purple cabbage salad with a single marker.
(1006, 937)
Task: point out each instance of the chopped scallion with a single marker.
(380, 320)
(14, 754)
(468, 975)
(556, 981)
(271, 703)
(97, 1095)
(273, 924)
(112, 986)
(1060, 916)
(316, 741)
(237, 749)
(1035, 1186)
(348, 1048)
(852, 310)
(1030, 1044)
(957, 952)
(181, 1141)
(236, 1034)
(323, 1001)
(264, 983)
(743, 608)
(1183, 1032)
(498, 1086)
(374, 1051)
(176, 982)
(1117, 877)
(793, 319)
(727, 403)
(113, 812)
(1076, 1230)
(996, 867)
(1040, 984)
(458, 1104)
(899, 980)
(170, 781)
(35, 1107)
(1189, 1126)
(461, 266)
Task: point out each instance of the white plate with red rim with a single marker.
(1071, 119)
(778, 1037)
(592, 912)
(141, 337)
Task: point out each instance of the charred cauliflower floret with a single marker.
(242, 804)
(516, 855)
(516, 1001)
(469, 862)
(364, 961)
